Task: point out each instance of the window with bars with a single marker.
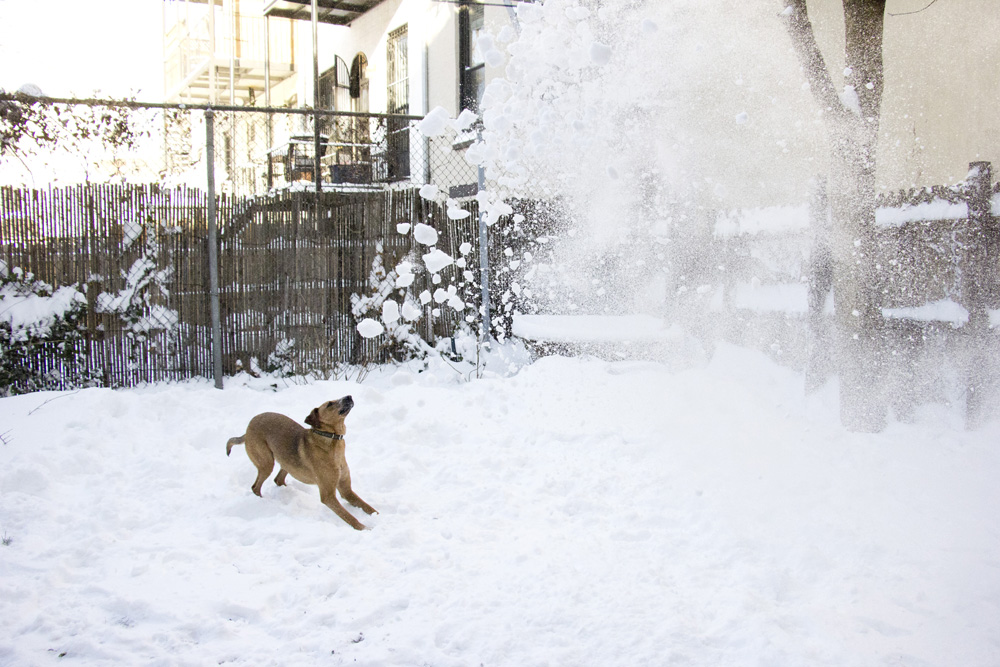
(398, 72)
(334, 94)
(472, 67)
(335, 87)
(398, 162)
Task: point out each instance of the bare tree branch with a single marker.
(817, 74)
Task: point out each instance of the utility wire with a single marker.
(913, 12)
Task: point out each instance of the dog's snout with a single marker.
(347, 401)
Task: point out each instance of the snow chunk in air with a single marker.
(425, 234)
(434, 123)
(429, 191)
(390, 312)
(465, 120)
(410, 312)
(369, 328)
(436, 260)
(600, 54)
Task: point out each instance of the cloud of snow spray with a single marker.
(651, 123)
(627, 116)
(572, 120)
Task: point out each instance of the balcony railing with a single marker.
(354, 151)
(240, 41)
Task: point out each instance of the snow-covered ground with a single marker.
(578, 512)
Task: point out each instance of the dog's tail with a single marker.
(235, 441)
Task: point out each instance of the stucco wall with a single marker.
(941, 104)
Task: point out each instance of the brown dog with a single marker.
(314, 456)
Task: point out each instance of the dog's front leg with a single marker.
(348, 493)
(328, 496)
(355, 500)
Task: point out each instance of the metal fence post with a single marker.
(484, 255)
(213, 250)
(316, 97)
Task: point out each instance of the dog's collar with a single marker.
(326, 434)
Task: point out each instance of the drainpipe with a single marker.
(267, 100)
(426, 110)
(232, 53)
(317, 177)
(211, 53)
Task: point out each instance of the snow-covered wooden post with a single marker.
(980, 282)
(820, 277)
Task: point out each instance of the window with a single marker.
(334, 94)
(359, 83)
(335, 87)
(355, 132)
(398, 158)
(472, 68)
(398, 72)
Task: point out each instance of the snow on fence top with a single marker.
(769, 219)
(595, 329)
(894, 210)
(944, 310)
(937, 209)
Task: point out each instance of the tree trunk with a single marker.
(852, 125)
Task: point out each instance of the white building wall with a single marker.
(432, 29)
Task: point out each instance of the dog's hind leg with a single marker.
(279, 479)
(261, 456)
(328, 497)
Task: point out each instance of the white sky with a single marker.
(79, 47)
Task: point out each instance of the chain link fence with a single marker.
(321, 222)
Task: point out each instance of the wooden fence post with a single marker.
(980, 282)
(820, 281)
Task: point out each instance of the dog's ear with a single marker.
(313, 418)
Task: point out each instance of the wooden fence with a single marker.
(289, 270)
(289, 266)
(763, 278)
(95, 237)
(938, 286)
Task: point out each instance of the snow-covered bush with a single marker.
(389, 313)
(34, 317)
(281, 362)
(136, 303)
